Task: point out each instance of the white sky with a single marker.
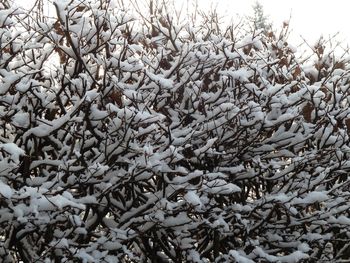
(309, 18)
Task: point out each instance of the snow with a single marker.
(241, 75)
(219, 186)
(62, 243)
(205, 148)
(13, 150)
(304, 247)
(85, 257)
(192, 198)
(161, 80)
(341, 220)
(5, 190)
(240, 258)
(21, 119)
(291, 258)
(5, 18)
(178, 220)
(312, 197)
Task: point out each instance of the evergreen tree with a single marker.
(259, 19)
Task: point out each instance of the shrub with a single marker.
(134, 137)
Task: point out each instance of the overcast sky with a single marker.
(309, 18)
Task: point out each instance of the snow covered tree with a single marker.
(259, 19)
(133, 136)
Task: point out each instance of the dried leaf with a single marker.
(116, 97)
(58, 29)
(296, 72)
(347, 123)
(307, 111)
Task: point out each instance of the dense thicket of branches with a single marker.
(146, 139)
